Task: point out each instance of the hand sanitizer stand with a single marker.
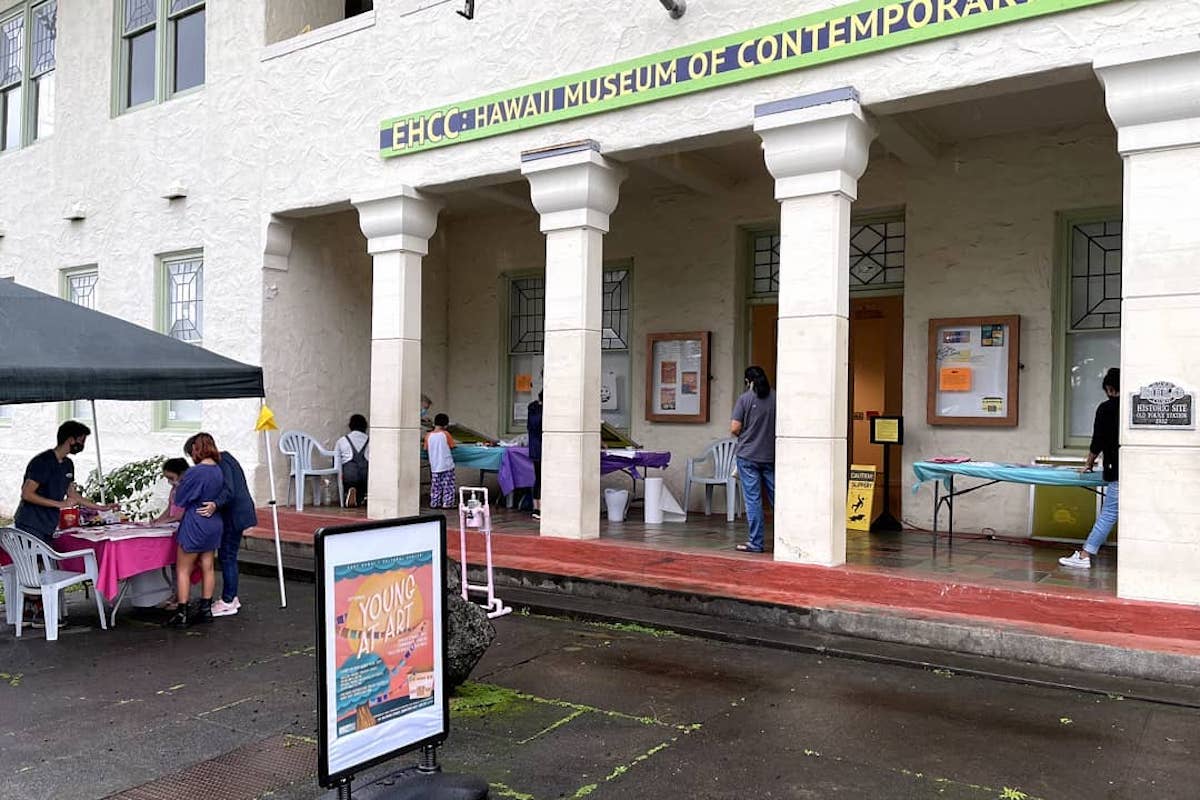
(476, 514)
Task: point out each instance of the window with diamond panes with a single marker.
(80, 288)
(1093, 329)
(12, 79)
(526, 345)
(170, 33)
(183, 317)
(766, 264)
(877, 255)
(28, 33)
(876, 258)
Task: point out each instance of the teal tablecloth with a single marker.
(475, 456)
(1011, 473)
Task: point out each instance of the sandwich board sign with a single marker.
(381, 643)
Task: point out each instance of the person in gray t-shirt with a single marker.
(753, 424)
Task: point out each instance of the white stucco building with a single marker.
(840, 175)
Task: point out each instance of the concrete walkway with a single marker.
(562, 709)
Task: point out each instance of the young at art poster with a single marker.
(384, 655)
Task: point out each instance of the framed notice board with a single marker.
(677, 376)
(973, 371)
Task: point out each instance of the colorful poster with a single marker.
(691, 383)
(992, 336)
(666, 399)
(956, 337)
(523, 383)
(384, 660)
(669, 370)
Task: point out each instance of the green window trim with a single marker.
(1062, 443)
(27, 84)
(504, 290)
(168, 15)
(887, 216)
(162, 422)
(68, 410)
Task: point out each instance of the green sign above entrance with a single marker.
(867, 26)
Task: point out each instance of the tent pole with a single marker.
(275, 520)
(99, 466)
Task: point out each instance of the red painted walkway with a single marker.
(1060, 612)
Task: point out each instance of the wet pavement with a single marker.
(561, 709)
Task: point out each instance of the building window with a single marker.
(79, 287)
(162, 50)
(27, 40)
(876, 257)
(1090, 331)
(527, 338)
(182, 318)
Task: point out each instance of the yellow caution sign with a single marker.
(861, 497)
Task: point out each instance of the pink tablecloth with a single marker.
(119, 559)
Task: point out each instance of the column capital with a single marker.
(816, 144)
(1153, 94)
(400, 220)
(572, 186)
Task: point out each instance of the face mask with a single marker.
(76, 448)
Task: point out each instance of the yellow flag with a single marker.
(266, 420)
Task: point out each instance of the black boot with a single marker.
(203, 615)
(179, 619)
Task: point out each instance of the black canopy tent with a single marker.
(52, 350)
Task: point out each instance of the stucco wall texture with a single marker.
(300, 131)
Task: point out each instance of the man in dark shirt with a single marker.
(50, 484)
(1106, 434)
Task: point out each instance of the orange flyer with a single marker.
(955, 379)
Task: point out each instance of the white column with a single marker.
(1153, 97)
(816, 148)
(397, 227)
(574, 188)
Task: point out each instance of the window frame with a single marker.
(886, 215)
(1062, 443)
(66, 410)
(27, 133)
(164, 54)
(162, 262)
(506, 424)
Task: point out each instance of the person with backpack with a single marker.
(352, 448)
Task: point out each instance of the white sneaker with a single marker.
(1077, 560)
(222, 609)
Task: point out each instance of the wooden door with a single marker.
(764, 338)
(876, 383)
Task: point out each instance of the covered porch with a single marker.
(485, 291)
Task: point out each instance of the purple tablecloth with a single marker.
(516, 468)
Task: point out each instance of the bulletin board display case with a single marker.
(973, 371)
(677, 376)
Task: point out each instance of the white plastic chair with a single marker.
(35, 580)
(300, 448)
(721, 454)
(8, 580)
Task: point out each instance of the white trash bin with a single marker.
(617, 501)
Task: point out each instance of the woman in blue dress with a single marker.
(198, 536)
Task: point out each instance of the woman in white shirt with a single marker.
(352, 452)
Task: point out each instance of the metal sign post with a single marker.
(381, 656)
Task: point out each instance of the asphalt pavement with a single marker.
(562, 709)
